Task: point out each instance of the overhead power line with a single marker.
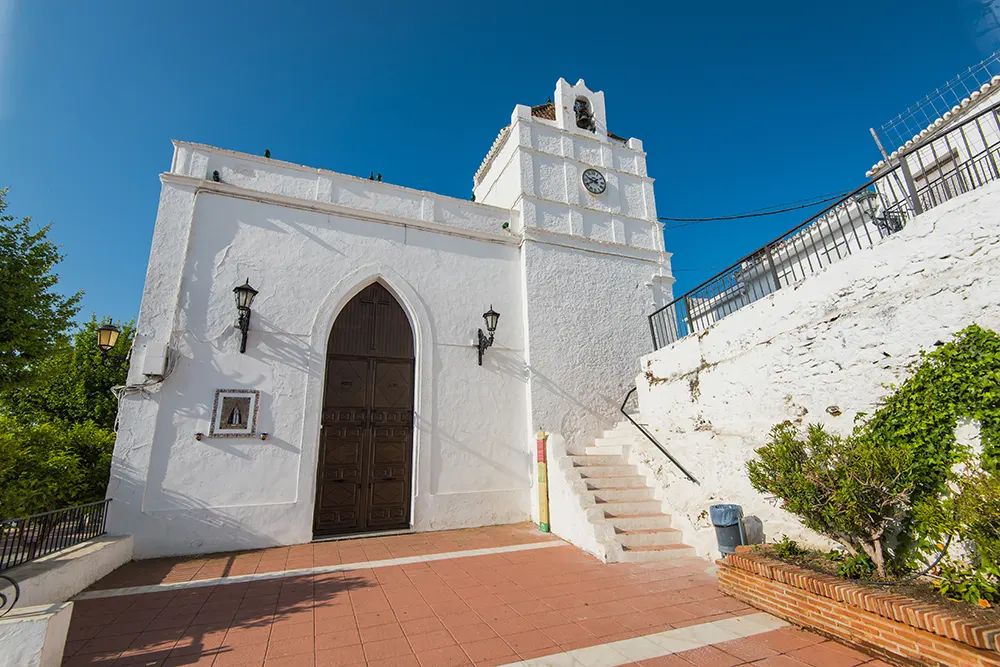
(758, 213)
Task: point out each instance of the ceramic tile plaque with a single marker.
(234, 413)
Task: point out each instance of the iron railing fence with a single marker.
(27, 538)
(926, 175)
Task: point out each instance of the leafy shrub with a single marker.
(850, 489)
(788, 548)
(856, 567)
(973, 584)
(49, 466)
(957, 380)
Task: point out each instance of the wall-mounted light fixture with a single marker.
(244, 299)
(107, 336)
(491, 317)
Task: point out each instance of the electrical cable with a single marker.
(758, 213)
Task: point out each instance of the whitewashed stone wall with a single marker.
(820, 351)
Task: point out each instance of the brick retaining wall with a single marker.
(895, 627)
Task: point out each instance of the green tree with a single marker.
(33, 317)
(72, 384)
(851, 489)
(49, 466)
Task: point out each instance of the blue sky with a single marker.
(739, 104)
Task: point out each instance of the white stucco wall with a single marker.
(35, 636)
(572, 277)
(60, 576)
(835, 339)
(444, 261)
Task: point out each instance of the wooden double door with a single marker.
(364, 478)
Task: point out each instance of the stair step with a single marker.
(604, 450)
(628, 507)
(619, 495)
(605, 460)
(662, 552)
(605, 471)
(615, 439)
(640, 521)
(627, 482)
(648, 538)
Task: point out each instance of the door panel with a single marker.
(366, 449)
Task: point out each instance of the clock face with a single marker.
(594, 181)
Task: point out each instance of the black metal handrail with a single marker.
(961, 159)
(649, 436)
(27, 538)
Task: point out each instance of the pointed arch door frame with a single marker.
(345, 289)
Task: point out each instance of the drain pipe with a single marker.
(543, 482)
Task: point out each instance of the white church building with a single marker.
(357, 397)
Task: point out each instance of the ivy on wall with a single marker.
(959, 379)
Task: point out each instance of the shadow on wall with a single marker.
(199, 619)
(183, 525)
(504, 363)
(604, 409)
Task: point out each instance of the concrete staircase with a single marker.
(627, 519)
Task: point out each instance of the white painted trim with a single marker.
(647, 647)
(271, 162)
(226, 190)
(575, 242)
(324, 569)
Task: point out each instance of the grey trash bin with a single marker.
(728, 522)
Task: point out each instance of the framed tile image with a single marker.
(234, 413)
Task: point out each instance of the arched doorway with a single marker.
(366, 440)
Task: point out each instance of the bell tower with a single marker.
(568, 174)
(592, 256)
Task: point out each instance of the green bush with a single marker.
(846, 488)
(50, 466)
(788, 548)
(979, 584)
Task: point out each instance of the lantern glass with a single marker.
(244, 295)
(107, 336)
(491, 316)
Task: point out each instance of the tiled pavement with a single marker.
(492, 609)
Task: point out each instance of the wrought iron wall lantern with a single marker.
(244, 299)
(107, 336)
(491, 317)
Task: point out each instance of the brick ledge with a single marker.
(936, 619)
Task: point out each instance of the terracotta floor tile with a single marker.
(710, 656)
(568, 632)
(422, 625)
(340, 639)
(452, 621)
(531, 640)
(387, 648)
(830, 654)
(787, 640)
(497, 613)
(780, 661)
(546, 619)
(488, 649)
(449, 656)
(245, 656)
(375, 618)
(747, 649)
(301, 660)
(374, 633)
(248, 635)
(431, 640)
(189, 661)
(340, 657)
(472, 632)
(510, 626)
